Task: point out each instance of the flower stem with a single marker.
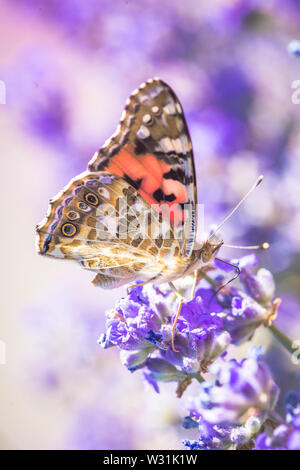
(282, 338)
(209, 280)
(198, 377)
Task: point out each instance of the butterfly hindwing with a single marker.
(152, 150)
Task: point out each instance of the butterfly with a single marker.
(132, 215)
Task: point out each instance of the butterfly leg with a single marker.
(137, 285)
(181, 299)
(197, 276)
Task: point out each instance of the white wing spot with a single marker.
(178, 145)
(107, 142)
(147, 118)
(179, 123)
(184, 143)
(115, 134)
(123, 136)
(178, 107)
(170, 108)
(143, 132)
(143, 98)
(94, 158)
(103, 192)
(166, 144)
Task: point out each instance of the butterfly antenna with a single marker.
(263, 246)
(258, 181)
(238, 272)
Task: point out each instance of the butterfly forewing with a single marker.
(152, 151)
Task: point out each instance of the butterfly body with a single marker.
(132, 215)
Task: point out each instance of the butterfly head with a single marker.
(209, 249)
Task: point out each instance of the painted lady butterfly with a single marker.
(145, 170)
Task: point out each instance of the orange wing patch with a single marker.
(145, 172)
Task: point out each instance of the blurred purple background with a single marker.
(68, 68)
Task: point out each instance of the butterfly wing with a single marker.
(152, 150)
(102, 222)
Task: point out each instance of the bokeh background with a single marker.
(68, 67)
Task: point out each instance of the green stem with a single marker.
(198, 377)
(282, 338)
(209, 280)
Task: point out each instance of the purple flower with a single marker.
(141, 326)
(141, 323)
(237, 391)
(293, 47)
(224, 437)
(244, 310)
(260, 287)
(134, 327)
(286, 436)
(243, 317)
(292, 404)
(232, 405)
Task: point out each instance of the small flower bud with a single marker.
(135, 358)
(261, 286)
(163, 371)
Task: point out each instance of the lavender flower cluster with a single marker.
(141, 323)
(236, 411)
(236, 400)
(232, 407)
